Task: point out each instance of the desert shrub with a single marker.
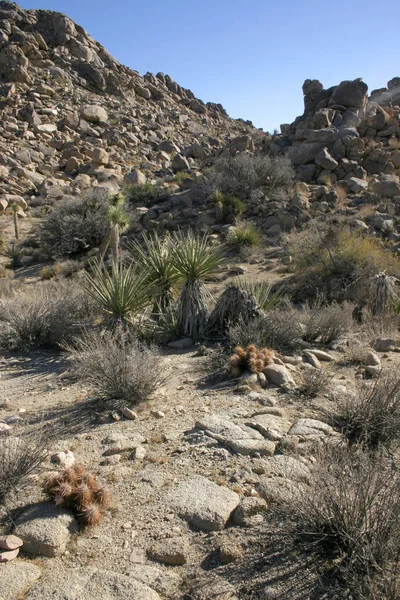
(19, 458)
(145, 192)
(244, 174)
(228, 207)
(372, 417)
(75, 224)
(326, 323)
(43, 316)
(338, 263)
(351, 517)
(120, 370)
(250, 359)
(243, 235)
(49, 272)
(280, 330)
(314, 382)
(77, 489)
(180, 177)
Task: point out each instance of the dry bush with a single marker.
(78, 490)
(119, 369)
(314, 382)
(43, 316)
(338, 263)
(75, 224)
(19, 458)
(250, 359)
(280, 330)
(372, 418)
(244, 174)
(351, 516)
(326, 323)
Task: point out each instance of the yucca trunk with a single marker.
(115, 243)
(104, 245)
(192, 309)
(16, 223)
(233, 305)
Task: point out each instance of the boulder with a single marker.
(303, 153)
(239, 438)
(45, 529)
(93, 113)
(135, 177)
(203, 504)
(16, 577)
(272, 427)
(325, 160)
(350, 93)
(179, 163)
(90, 584)
(278, 375)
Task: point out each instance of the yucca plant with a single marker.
(118, 221)
(155, 260)
(122, 292)
(263, 293)
(195, 259)
(15, 253)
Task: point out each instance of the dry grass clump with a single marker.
(280, 330)
(372, 418)
(44, 316)
(19, 458)
(351, 516)
(78, 490)
(326, 323)
(315, 382)
(119, 369)
(250, 359)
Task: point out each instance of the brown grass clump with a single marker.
(250, 359)
(80, 491)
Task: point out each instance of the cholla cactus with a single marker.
(80, 491)
(250, 359)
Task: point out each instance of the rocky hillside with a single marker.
(72, 117)
(345, 135)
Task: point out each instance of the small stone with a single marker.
(7, 555)
(229, 553)
(373, 370)
(129, 414)
(311, 359)
(64, 459)
(10, 542)
(137, 556)
(173, 551)
(278, 375)
(158, 414)
(139, 453)
(372, 360)
(4, 429)
(13, 420)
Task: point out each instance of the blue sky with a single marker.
(252, 56)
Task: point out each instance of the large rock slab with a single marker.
(280, 489)
(270, 426)
(203, 503)
(289, 467)
(16, 577)
(46, 529)
(90, 584)
(311, 429)
(239, 438)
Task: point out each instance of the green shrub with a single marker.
(144, 192)
(244, 235)
(228, 207)
(14, 251)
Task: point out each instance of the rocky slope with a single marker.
(72, 117)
